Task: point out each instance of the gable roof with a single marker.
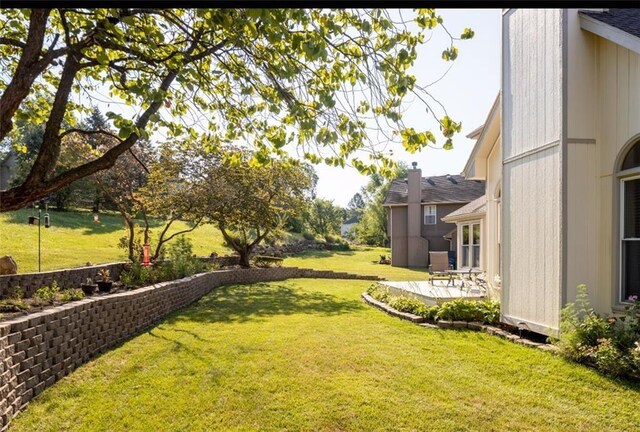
(476, 207)
(437, 190)
(627, 20)
(620, 26)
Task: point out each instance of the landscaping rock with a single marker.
(459, 324)
(475, 326)
(445, 324)
(8, 266)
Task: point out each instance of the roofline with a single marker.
(479, 141)
(428, 203)
(609, 32)
(474, 133)
(464, 217)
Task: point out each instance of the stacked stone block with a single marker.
(38, 349)
(66, 278)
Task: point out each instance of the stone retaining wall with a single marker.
(38, 349)
(66, 278)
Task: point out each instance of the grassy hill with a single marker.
(73, 239)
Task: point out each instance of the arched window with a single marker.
(630, 223)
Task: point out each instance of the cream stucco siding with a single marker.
(603, 115)
(491, 234)
(532, 168)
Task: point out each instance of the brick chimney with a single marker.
(417, 250)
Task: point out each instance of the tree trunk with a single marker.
(244, 252)
(132, 234)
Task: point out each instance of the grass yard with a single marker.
(359, 261)
(310, 355)
(73, 239)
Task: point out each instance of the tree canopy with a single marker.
(317, 81)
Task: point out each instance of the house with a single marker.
(560, 157)
(415, 207)
(478, 223)
(348, 225)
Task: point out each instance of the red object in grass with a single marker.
(145, 254)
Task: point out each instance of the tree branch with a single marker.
(26, 71)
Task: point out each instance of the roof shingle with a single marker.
(627, 20)
(437, 190)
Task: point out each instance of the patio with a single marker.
(437, 291)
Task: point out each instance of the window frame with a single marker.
(425, 214)
(621, 173)
(633, 175)
(470, 245)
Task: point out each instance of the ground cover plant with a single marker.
(610, 343)
(310, 355)
(486, 311)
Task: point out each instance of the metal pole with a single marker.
(39, 218)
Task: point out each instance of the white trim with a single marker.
(460, 240)
(434, 214)
(613, 34)
(622, 238)
(531, 152)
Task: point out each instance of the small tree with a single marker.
(172, 192)
(121, 184)
(249, 202)
(324, 217)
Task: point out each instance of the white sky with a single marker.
(467, 92)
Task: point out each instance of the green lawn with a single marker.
(73, 239)
(359, 261)
(310, 355)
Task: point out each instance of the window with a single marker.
(630, 225)
(465, 246)
(470, 246)
(430, 215)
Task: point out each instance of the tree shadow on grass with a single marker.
(242, 303)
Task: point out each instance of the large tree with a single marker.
(249, 202)
(319, 80)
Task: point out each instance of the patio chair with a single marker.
(439, 266)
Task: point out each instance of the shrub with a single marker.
(181, 263)
(71, 295)
(608, 359)
(47, 295)
(461, 310)
(13, 305)
(413, 306)
(330, 239)
(379, 292)
(611, 343)
(308, 236)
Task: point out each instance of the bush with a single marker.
(330, 239)
(608, 359)
(308, 236)
(379, 292)
(468, 310)
(611, 343)
(47, 295)
(181, 263)
(13, 305)
(413, 306)
(71, 295)
(457, 310)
